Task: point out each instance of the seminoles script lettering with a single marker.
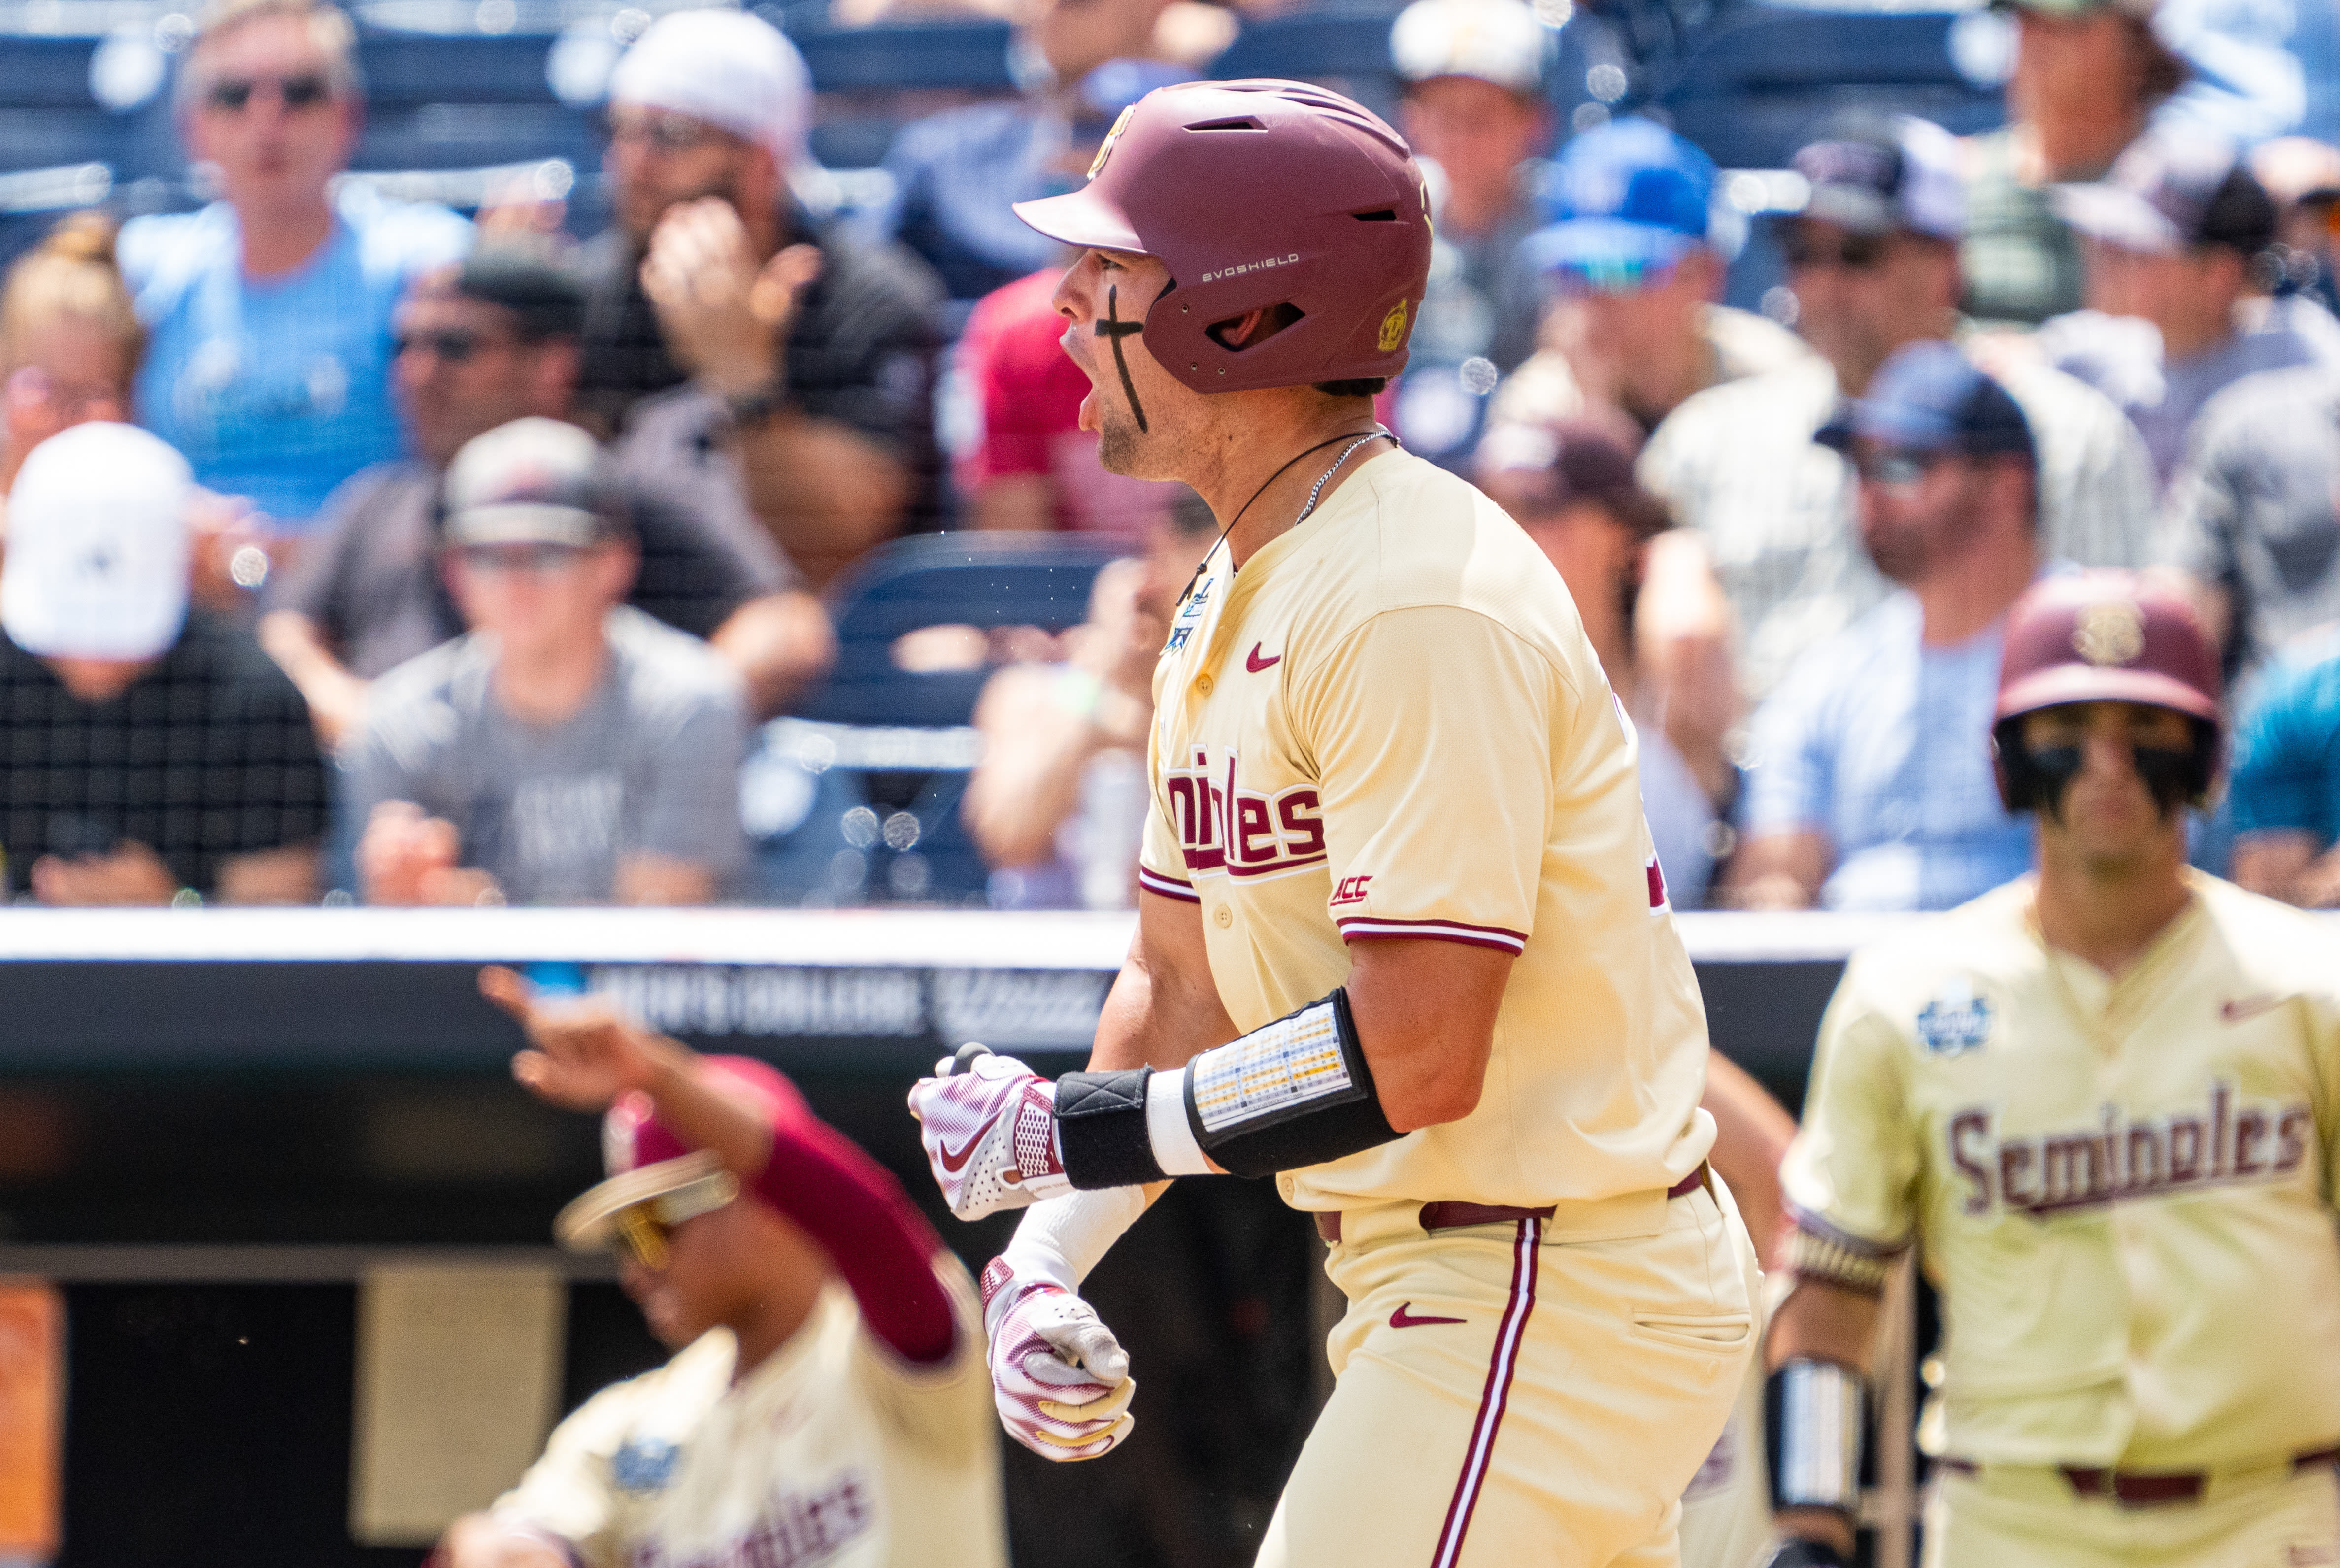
(2120, 1159)
(1223, 826)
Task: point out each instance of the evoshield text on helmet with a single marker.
(1261, 195)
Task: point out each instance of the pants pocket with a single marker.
(1717, 1335)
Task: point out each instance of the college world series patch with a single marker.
(1955, 1020)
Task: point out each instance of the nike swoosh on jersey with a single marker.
(1255, 663)
(1401, 1318)
(2235, 1009)
(953, 1163)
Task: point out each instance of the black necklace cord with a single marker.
(1360, 438)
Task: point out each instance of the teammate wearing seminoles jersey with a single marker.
(1402, 940)
(2105, 1105)
(826, 1405)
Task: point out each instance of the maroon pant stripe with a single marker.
(1526, 1245)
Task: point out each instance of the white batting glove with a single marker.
(990, 1134)
(1059, 1378)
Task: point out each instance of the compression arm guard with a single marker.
(1814, 1434)
(1296, 1092)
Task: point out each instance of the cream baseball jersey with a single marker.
(2122, 1187)
(1389, 724)
(834, 1451)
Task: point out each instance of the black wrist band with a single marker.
(1101, 1130)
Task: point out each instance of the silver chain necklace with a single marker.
(1326, 477)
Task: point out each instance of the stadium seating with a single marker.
(1751, 88)
(60, 146)
(856, 798)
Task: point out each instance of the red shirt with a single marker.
(1030, 393)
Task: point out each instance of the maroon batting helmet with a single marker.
(1255, 196)
(2097, 637)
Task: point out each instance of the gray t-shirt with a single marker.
(650, 765)
(2255, 510)
(368, 578)
(2121, 357)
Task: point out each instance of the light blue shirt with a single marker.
(278, 390)
(1882, 743)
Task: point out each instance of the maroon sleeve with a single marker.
(881, 1244)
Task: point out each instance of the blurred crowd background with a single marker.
(537, 452)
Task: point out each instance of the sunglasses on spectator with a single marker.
(662, 132)
(1613, 277)
(520, 560)
(1855, 253)
(31, 383)
(233, 95)
(1897, 467)
(452, 346)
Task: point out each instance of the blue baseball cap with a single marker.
(1114, 86)
(1929, 397)
(1630, 196)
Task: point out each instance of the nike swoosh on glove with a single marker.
(990, 1135)
(1059, 1378)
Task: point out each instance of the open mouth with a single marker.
(1070, 343)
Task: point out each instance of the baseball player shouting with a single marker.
(1403, 941)
(825, 1405)
(2105, 1103)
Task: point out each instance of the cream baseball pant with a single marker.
(1503, 1401)
(1726, 1516)
(2028, 1514)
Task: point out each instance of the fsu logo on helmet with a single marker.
(2110, 633)
(1394, 328)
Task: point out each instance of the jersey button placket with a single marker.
(1203, 684)
(1223, 916)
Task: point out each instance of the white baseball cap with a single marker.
(728, 68)
(1498, 40)
(1874, 174)
(97, 546)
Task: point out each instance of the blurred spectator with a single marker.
(1022, 461)
(2251, 517)
(2286, 790)
(270, 309)
(480, 344)
(1636, 328)
(957, 173)
(2176, 312)
(153, 753)
(570, 749)
(2088, 75)
(1571, 487)
(69, 338)
(1058, 800)
(1029, 465)
(1873, 259)
(809, 352)
(1473, 109)
(1869, 785)
(2303, 176)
